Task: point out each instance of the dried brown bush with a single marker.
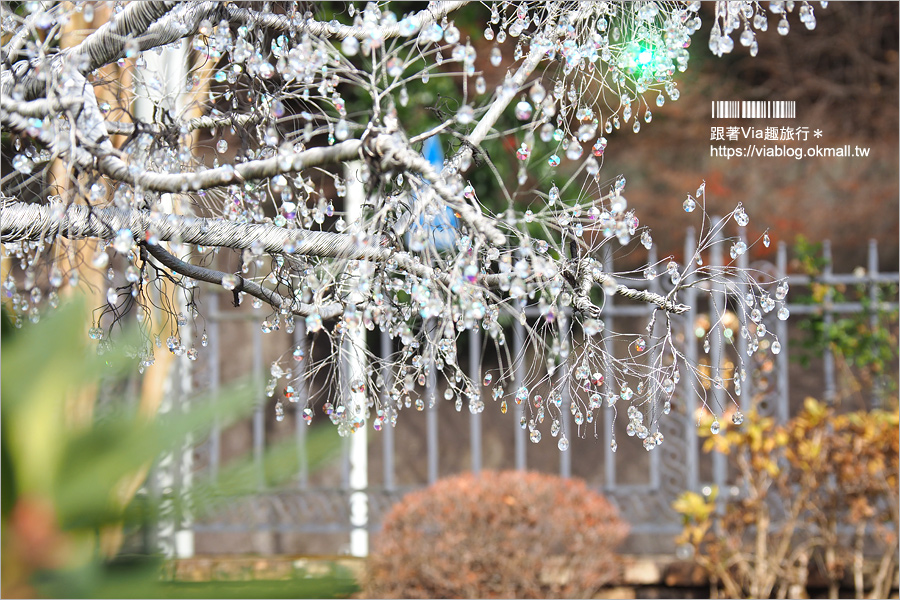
(504, 534)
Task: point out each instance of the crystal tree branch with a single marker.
(305, 105)
(31, 223)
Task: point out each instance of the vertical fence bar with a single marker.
(565, 334)
(717, 310)
(259, 416)
(609, 457)
(215, 378)
(828, 317)
(475, 417)
(264, 541)
(387, 432)
(431, 417)
(743, 344)
(302, 392)
(691, 356)
(519, 361)
(873, 311)
(655, 334)
(781, 359)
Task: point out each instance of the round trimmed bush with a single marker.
(508, 534)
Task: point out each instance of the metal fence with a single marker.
(303, 507)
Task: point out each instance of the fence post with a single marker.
(781, 331)
(175, 469)
(184, 457)
(690, 353)
(387, 432)
(355, 347)
(654, 335)
(743, 344)
(565, 334)
(475, 417)
(610, 411)
(873, 311)
(828, 317)
(519, 365)
(263, 538)
(259, 416)
(431, 416)
(717, 311)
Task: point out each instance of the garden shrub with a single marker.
(505, 534)
(819, 492)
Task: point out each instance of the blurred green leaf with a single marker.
(80, 470)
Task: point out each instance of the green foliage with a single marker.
(63, 484)
(498, 535)
(871, 352)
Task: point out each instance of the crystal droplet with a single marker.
(553, 196)
(523, 110)
(229, 282)
(783, 26)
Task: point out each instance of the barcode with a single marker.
(754, 109)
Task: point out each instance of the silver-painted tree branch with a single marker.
(31, 222)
